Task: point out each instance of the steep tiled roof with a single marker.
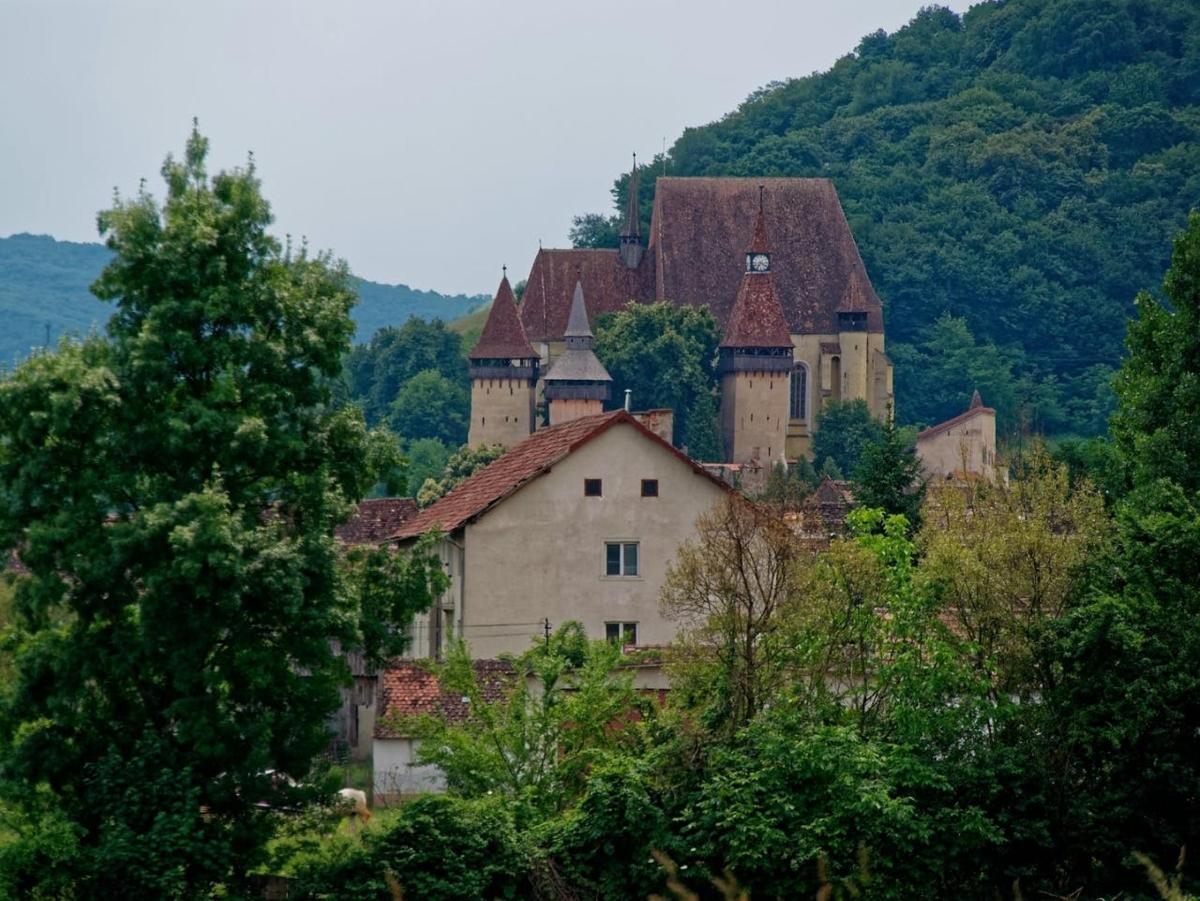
(757, 318)
(976, 409)
(607, 283)
(410, 689)
(698, 237)
(376, 520)
(522, 464)
(502, 334)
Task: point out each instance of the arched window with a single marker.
(799, 388)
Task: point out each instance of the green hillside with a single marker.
(44, 282)
(1022, 168)
(470, 327)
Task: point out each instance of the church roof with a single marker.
(502, 334)
(577, 320)
(607, 283)
(578, 363)
(757, 319)
(698, 240)
(533, 457)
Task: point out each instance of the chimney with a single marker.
(628, 399)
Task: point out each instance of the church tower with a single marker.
(631, 234)
(504, 374)
(577, 383)
(755, 362)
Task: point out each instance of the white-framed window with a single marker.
(621, 558)
(622, 633)
(799, 392)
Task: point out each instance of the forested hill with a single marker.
(45, 282)
(1023, 167)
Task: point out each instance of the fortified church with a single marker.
(775, 262)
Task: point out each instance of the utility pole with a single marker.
(546, 627)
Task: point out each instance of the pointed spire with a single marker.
(503, 337)
(633, 213)
(577, 321)
(631, 234)
(759, 244)
(976, 400)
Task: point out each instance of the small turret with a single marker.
(631, 233)
(504, 375)
(577, 383)
(755, 361)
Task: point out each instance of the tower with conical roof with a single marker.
(631, 234)
(755, 362)
(504, 375)
(577, 383)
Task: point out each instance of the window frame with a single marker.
(623, 632)
(597, 484)
(801, 368)
(652, 484)
(622, 560)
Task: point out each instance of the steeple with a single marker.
(757, 320)
(631, 233)
(503, 337)
(504, 373)
(577, 383)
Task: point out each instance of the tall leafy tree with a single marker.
(429, 405)
(664, 354)
(844, 430)
(173, 488)
(888, 476)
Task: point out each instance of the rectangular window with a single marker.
(649, 487)
(625, 633)
(591, 487)
(620, 558)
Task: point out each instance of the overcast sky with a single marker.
(424, 142)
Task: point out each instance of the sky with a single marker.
(423, 142)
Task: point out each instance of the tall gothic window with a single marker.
(799, 389)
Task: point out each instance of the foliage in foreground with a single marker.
(172, 488)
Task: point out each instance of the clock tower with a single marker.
(755, 362)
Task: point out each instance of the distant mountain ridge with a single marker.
(44, 283)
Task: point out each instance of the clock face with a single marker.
(760, 262)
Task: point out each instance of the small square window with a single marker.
(649, 487)
(621, 558)
(591, 487)
(612, 631)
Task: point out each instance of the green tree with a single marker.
(379, 369)
(173, 488)
(664, 354)
(844, 429)
(427, 459)
(429, 405)
(1158, 386)
(463, 464)
(888, 476)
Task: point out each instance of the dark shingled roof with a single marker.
(696, 256)
(578, 362)
(376, 520)
(607, 284)
(502, 336)
(522, 464)
(410, 689)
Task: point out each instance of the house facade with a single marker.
(578, 522)
(962, 447)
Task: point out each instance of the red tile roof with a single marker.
(757, 318)
(376, 520)
(502, 334)
(607, 286)
(410, 688)
(522, 464)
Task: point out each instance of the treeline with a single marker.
(1003, 703)
(1012, 176)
